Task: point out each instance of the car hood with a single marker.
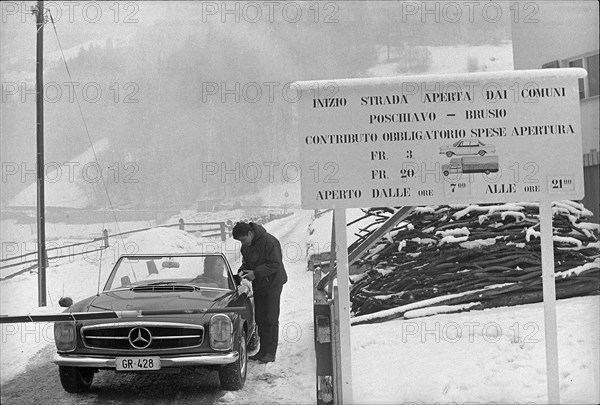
(128, 300)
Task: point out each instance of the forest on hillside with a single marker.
(164, 106)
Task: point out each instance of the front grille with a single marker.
(137, 336)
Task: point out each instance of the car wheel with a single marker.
(75, 379)
(481, 152)
(449, 154)
(446, 172)
(253, 342)
(487, 172)
(233, 376)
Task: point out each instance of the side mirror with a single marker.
(65, 302)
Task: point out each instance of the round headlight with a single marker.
(221, 332)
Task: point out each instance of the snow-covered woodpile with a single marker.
(473, 257)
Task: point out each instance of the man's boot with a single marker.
(256, 357)
(267, 358)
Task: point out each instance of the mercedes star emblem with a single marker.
(140, 338)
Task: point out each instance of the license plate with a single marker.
(137, 363)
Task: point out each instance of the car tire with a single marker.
(449, 154)
(446, 172)
(75, 379)
(254, 340)
(481, 152)
(233, 376)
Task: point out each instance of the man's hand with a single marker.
(248, 275)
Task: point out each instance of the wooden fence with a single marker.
(221, 229)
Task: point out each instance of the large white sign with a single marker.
(480, 137)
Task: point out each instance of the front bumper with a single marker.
(208, 359)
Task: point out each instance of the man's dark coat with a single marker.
(263, 256)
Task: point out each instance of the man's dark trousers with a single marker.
(267, 319)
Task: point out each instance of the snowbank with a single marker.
(495, 355)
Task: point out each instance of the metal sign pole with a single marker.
(549, 288)
(596, 355)
(343, 345)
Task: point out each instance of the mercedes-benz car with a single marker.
(467, 147)
(167, 312)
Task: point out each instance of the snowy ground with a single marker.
(498, 356)
(452, 59)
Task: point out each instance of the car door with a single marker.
(464, 148)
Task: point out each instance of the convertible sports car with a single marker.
(171, 311)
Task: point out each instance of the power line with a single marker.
(104, 183)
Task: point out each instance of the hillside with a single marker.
(177, 97)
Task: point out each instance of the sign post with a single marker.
(342, 333)
(491, 137)
(549, 291)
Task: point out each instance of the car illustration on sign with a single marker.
(467, 147)
(471, 164)
(200, 315)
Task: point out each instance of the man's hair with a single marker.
(241, 229)
(211, 263)
(212, 260)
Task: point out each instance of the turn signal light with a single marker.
(64, 336)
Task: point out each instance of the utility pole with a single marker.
(39, 99)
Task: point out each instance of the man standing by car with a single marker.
(262, 264)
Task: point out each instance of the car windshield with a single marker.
(208, 271)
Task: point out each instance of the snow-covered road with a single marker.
(291, 378)
(28, 376)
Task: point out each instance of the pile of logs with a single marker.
(482, 255)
